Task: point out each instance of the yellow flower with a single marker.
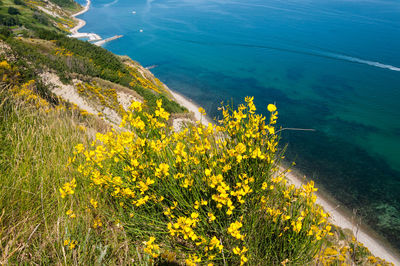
(240, 148)
(271, 108)
(207, 172)
(192, 260)
(241, 252)
(211, 216)
(68, 188)
(62, 192)
(194, 215)
(202, 111)
(71, 214)
(97, 223)
(297, 225)
(136, 106)
(215, 243)
(152, 249)
(93, 203)
(162, 169)
(234, 230)
(73, 244)
(372, 259)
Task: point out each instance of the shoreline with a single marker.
(191, 106)
(339, 215)
(81, 23)
(93, 37)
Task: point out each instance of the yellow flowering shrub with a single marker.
(208, 194)
(101, 96)
(62, 52)
(350, 252)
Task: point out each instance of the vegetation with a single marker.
(42, 19)
(19, 2)
(5, 31)
(21, 13)
(36, 139)
(88, 60)
(212, 194)
(13, 11)
(8, 20)
(65, 3)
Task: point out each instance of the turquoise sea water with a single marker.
(333, 66)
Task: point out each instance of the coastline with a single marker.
(339, 215)
(81, 23)
(344, 218)
(93, 37)
(191, 106)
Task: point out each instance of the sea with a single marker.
(331, 66)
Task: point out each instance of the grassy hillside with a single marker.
(37, 139)
(25, 16)
(76, 188)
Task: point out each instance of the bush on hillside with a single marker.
(208, 194)
(41, 18)
(5, 31)
(13, 11)
(64, 3)
(8, 20)
(19, 2)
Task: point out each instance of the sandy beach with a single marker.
(192, 107)
(75, 30)
(339, 216)
(343, 218)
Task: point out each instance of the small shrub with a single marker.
(9, 20)
(41, 18)
(13, 11)
(19, 2)
(5, 31)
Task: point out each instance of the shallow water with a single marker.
(328, 65)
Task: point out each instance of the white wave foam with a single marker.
(112, 3)
(362, 61)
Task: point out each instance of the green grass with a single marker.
(35, 147)
(33, 154)
(27, 19)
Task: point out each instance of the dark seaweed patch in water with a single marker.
(330, 93)
(352, 176)
(332, 80)
(295, 73)
(333, 88)
(211, 94)
(396, 131)
(343, 129)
